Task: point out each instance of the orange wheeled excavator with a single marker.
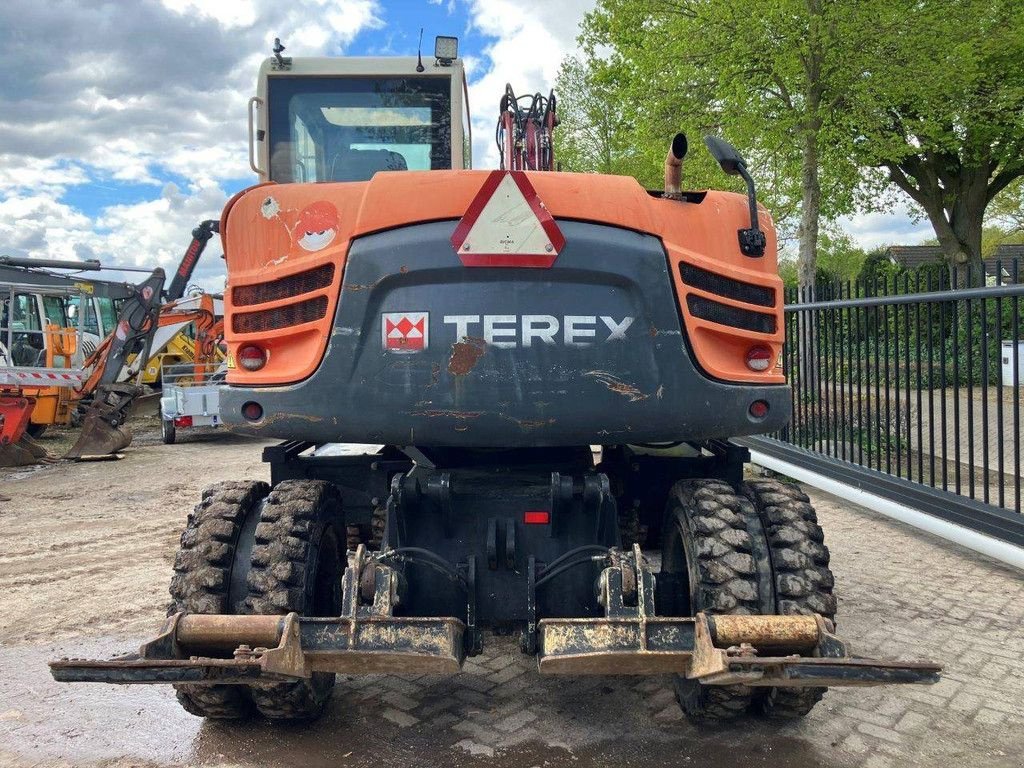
(547, 369)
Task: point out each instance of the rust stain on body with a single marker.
(465, 355)
(364, 286)
(529, 424)
(449, 414)
(276, 417)
(617, 385)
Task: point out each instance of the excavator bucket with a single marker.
(17, 449)
(103, 428)
(25, 453)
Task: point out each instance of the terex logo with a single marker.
(507, 331)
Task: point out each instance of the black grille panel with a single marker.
(286, 287)
(726, 286)
(723, 314)
(280, 317)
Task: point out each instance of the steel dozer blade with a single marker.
(786, 651)
(103, 428)
(219, 650)
(780, 651)
(720, 650)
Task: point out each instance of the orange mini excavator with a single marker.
(546, 369)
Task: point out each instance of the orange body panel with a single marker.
(274, 232)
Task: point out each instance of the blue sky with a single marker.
(123, 124)
(397, 35)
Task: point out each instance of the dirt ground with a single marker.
(85, 559)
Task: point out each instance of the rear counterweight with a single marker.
(428, 352)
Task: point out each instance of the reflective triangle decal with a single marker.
(507, 225)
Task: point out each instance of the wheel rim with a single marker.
(238, 587)
(676, 562)
(327, 578)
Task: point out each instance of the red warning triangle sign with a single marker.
(507, 225)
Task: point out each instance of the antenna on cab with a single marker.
(419, 53)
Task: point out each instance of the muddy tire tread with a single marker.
(716, 517)
(803, 582)
(202, 572)
(278, 583)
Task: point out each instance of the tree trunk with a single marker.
(958, 223)
(807, 261)
(810, 211)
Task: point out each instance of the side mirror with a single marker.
(752, 240)
(725, 154)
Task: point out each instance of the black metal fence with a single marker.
(915, 376)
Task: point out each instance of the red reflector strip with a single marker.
(183, 421)
(537, 517)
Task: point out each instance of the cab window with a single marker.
(24, 324)
(467, 135)
(349, 128)
(108, 315)
(26, 313)
(53, 306)
(88, 323)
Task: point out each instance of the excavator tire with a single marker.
(202, 579)
(803, 582)
(708, 553)
(297, 561)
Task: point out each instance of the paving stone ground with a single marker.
(901, 593)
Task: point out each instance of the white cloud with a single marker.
(875, 230)
(96, 93)
(106, 92)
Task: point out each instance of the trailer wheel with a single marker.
(708, 564)
(202, 580)
(802, 580)
(167, 431)
(297, 562)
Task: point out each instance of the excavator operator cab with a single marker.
(346, 119)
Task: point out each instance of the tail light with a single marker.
(252, 411)
(537, 517)
(759, 358)
(759, 409)
(251, 357)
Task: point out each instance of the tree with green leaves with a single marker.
(833, 101)
(593, 128)
(1007, 208)
(768, 75)
(939, 110)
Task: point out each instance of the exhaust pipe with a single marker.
(674, 167)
